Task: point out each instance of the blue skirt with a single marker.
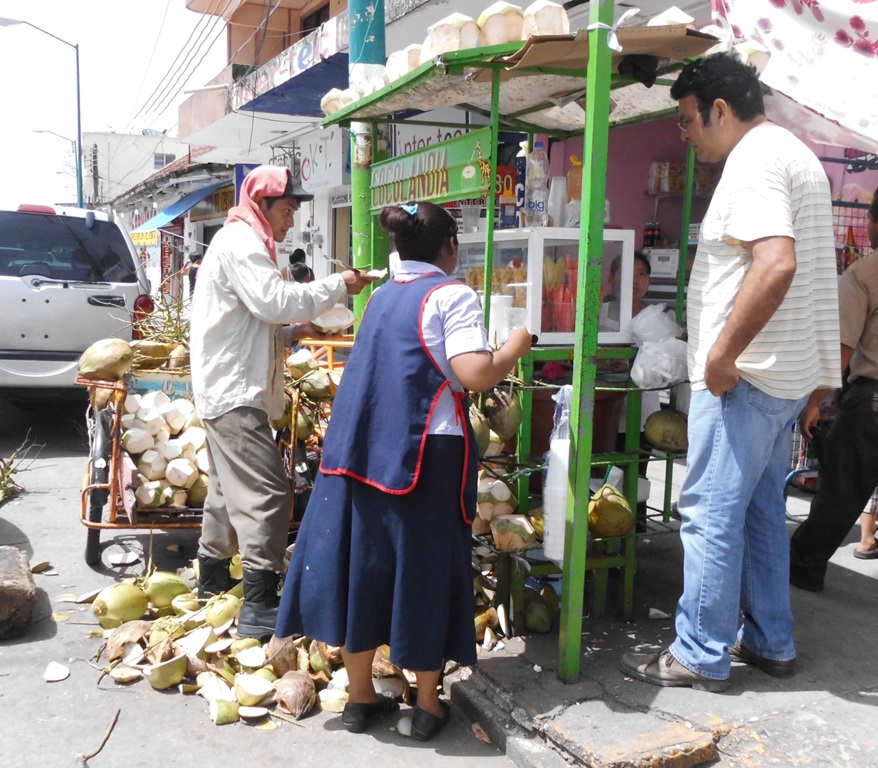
(370, 568)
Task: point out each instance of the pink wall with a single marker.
(633, 147)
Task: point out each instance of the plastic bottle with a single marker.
(536, 188)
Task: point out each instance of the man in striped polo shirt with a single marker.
(762, 314)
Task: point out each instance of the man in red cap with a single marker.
(240, 305)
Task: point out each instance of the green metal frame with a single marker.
(600, 80)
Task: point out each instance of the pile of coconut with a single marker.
(500, 23)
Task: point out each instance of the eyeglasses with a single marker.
(684, 122)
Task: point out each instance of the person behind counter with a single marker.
(608, 320)
(383, 555)
(236, 347)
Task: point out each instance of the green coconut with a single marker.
(609, 513)
(118, 603)
(161, 587)
(107, 360)
(503, 412)
(667, 431)
(481, 428)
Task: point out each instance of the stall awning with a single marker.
(184, 204)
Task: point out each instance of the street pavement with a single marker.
(45, 725)
(821, 717)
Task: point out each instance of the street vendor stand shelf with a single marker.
(533, 87)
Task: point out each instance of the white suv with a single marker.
(68, 277)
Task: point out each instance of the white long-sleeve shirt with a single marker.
(239, 304)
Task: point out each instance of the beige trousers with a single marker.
(248, 499)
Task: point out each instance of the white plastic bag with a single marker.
(659, 363)
(653, 324)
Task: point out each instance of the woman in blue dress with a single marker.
(383, 554)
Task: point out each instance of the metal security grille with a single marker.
(850, 226)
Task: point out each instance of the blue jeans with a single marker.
(734, 534)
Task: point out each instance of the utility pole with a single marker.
(366, 58)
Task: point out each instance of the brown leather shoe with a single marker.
(771, 667)
(663, 669)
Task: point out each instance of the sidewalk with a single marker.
(821, 717)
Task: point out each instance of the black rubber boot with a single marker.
(213, 576)
(261, 597)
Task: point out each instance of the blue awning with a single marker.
(184, 204)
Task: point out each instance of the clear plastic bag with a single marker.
(653, 323)
(660, 363)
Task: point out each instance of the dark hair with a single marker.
(721, 76)
(297, 256)
(301, 272)
(638, 256)
(419, 230)
(873, 207)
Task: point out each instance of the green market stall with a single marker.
(534, 87)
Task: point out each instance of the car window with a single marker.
(64, 248)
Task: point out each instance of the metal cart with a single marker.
(108, 501)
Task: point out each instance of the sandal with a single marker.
(356, 718)
(870, 554)
(425, 726)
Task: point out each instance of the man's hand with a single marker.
(808, 419)
(355, 280)
(720, 374)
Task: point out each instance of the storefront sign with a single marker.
(150, 237)
(216, 205)
(456, 169)
(323, 159)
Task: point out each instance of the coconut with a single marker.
(179, 357)
(124, 674)
(400, 63)
(107, 359)
(537, 617)
(223, 712)
(494, 497)
(512, 532)
(456, 32)
(301, 362)
(221, 609)
(332, 700)
(152, 494)
(150, 354)
(164, 628)
(193, 436)
(295, 693)
(213, 687)
(136, 440)
(119, 603)
(503, 412)
(485, 619)
(481, 428)
(175, 413)
(316, 385)
(152, 465)
(155, 398)
(667, 431)
(131, 404)
(609, 513)
(152, 419)
(545, 18)
(198, 492)
(202, 460)
(252, 657)
(166, 674)
(181, 473)
(161, 587)
(501, 23)
(252, 689)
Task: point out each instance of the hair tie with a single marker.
(411, 209)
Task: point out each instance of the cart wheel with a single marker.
(100, 473)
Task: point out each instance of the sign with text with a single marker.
(323, 158)
(150, 237)
(456, 169)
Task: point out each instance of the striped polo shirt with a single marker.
(772, 186)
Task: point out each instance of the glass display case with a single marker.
(536, 270)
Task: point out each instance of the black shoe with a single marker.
(425, 726)
(799, 578)
(771, 667)
(213, 576)
(664, 670)
(258, 615)
(356, 718)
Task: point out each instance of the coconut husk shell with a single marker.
(195, 666)
(282, 654)
(129, 632)
(295, 694)
(161, 651)
(383, 667)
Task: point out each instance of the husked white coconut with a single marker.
(192, 420)
(153, 493)
(198, 491)
(400, 63)
(202, 460)
(171, 449)
(152, 465)
(194, 436)
(181, 473)
(136, 440)
(132, 404)
(152, 419)
(334, 100)
(179, 497)
(456, 32)
(174, 414)
(127, 420)
(427, 53)
(155, 398)
(501, 23)
(162, 436)
(544, 17)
